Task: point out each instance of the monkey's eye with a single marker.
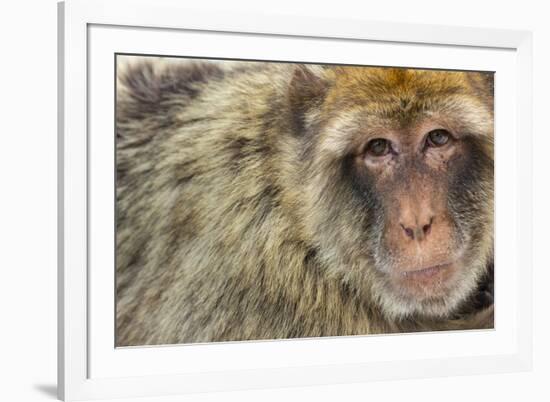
(378, 147)
(438, 138)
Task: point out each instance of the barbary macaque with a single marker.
(264, 200)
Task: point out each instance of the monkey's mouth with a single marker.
(425, 273)
(430, 281)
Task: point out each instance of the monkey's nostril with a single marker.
(417, 232)
(426, 229)
(408, 231)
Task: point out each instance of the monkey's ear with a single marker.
(308, 88)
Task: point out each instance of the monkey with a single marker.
(274, 200)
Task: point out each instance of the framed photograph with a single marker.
(264, 201)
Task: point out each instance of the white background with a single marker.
(108, 362)
(28, 200)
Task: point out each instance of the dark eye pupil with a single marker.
(438, 137)
(378, 147)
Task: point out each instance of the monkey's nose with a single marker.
(417, 231)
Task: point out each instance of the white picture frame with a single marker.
(89, 367)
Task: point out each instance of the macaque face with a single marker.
(416, 151)
(411, 168)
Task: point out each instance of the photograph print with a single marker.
(264, 200)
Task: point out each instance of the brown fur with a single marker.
(237, 216)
